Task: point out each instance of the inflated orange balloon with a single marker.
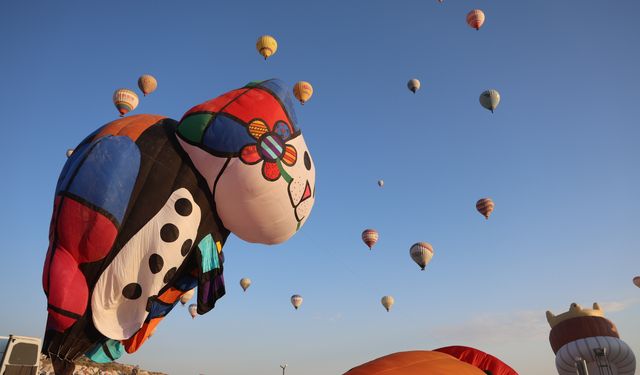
(416, 362)
(475, 18)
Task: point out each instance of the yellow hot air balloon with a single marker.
(147, 84)
(387, 302)
(125, 101)
(245, 283)
(303, 91)
(266, 46)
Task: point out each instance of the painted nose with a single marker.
(307, 193)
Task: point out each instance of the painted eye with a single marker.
(307, 161)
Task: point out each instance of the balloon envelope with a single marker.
(479, 359)
(636, 281)
(70, 152)
(413, 85)
(370, 237)
(387, 302)
(302, 91)
(475, 18)
(245, 283)
(266, 46)
(187, 296)
(125, 101)
(380, 183)
(490, 99)
(421, 253)
(416, 362)
(193, 310)
(147, 84)
(296, 301)
(485, 206)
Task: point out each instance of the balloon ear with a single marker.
(210, 282)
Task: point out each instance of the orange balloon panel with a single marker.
(416, 362)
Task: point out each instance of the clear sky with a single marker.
(560, 157)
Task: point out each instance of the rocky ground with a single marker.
(86, 367)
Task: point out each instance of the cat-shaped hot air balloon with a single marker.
(145, 204)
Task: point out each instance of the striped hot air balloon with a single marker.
(147, 84)
(125, 101)
(485, 206)
(296, 301)
(266, 46)
(413, 85)
(421, 253)
(370, 237)
(475, 18)
(490, 99)
(387, 302)
(303, 91)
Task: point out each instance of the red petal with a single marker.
(270, 171)
(249, 154)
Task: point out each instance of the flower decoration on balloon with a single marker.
(270, 149)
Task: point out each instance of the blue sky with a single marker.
(559, 157)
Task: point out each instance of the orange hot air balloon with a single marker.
(416, 362)
(370, 237)
(485, 206)
(475, 18)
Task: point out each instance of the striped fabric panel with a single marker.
(290, 156)
(258, 128)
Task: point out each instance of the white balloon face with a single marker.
(267, 203)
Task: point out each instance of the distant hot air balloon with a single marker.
(303, 91)
(125, 101)
(370, 237)
(193, 310)
(490, 99)
(421, 253)
(381, 183)
(266, 46)
(475, 18)
(70, 152)
(636, 281)
(187, 296)
(485, 206)
(387, 302)
(296, 301)
(245, 283)
(147, 84)
(413, 85)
